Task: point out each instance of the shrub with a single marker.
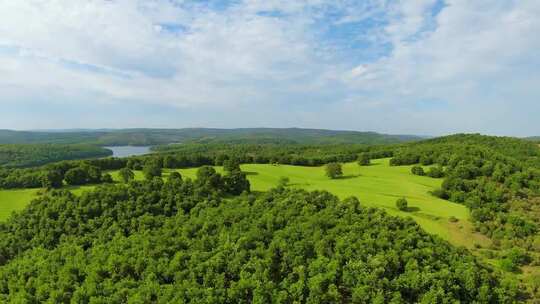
(334, 170)
(418, 170)
(151, 170)
(126, 174)
(402, 204)
(283, 181)
(435, 172)
(364, 159)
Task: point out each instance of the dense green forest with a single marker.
(28, 155)
(497, 178)
(148, 137)
(185, 241)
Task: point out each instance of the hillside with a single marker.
(27, 155)
(202, 135)
(182, 241)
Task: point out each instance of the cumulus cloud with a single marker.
(364, 64)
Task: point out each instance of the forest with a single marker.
(29, 155)
(149, 137)
(498, 179)
(194, 241)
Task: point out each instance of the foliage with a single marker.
(175, 176)
(84, 174)
(20, 155)
(151, 169)
(497, 178)
(148, 137)
(283, 181)
(52, 179)
(364, 159)
(333, 170)
(402, 204)
(181, 242)
(126, 175)
(418, 170)
(231, 165)
(435, 172)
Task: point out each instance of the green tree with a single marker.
(107, 178)
(402, 204)
(207, 176)
(169, 162)
(151, 169)
(283, 181)
(231, 165)
(364, 159)
(175, 176)
(93, 173)
(418, 170)
(76, 176)
(126, 175)
(52, 179)
(435, 172)
(333, 170)
(134, 164)
(236, 182)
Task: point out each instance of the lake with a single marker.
(125, 151)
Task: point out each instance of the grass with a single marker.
(15, 200)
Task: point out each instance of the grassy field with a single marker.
(377, 185)
(14, 200)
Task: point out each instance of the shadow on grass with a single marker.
(412, 209)
(348, 176)
(251, 173)
(371, 165)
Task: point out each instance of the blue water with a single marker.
(125, 151)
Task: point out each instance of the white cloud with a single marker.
(222, 57)
(478, 58)
(472, 56)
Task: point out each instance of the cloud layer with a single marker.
(425, 67)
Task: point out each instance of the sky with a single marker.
(427, 67)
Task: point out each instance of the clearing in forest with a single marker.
(377, 185)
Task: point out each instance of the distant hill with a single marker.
(201, 135)
(533, 138)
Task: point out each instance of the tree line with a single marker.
(30, 155)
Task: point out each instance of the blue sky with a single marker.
(419, 67)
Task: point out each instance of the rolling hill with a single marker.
(148, 137)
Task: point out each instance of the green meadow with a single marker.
(377, 185)
(15, 200)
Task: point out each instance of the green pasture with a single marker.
(14, 200)
(377, 185)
